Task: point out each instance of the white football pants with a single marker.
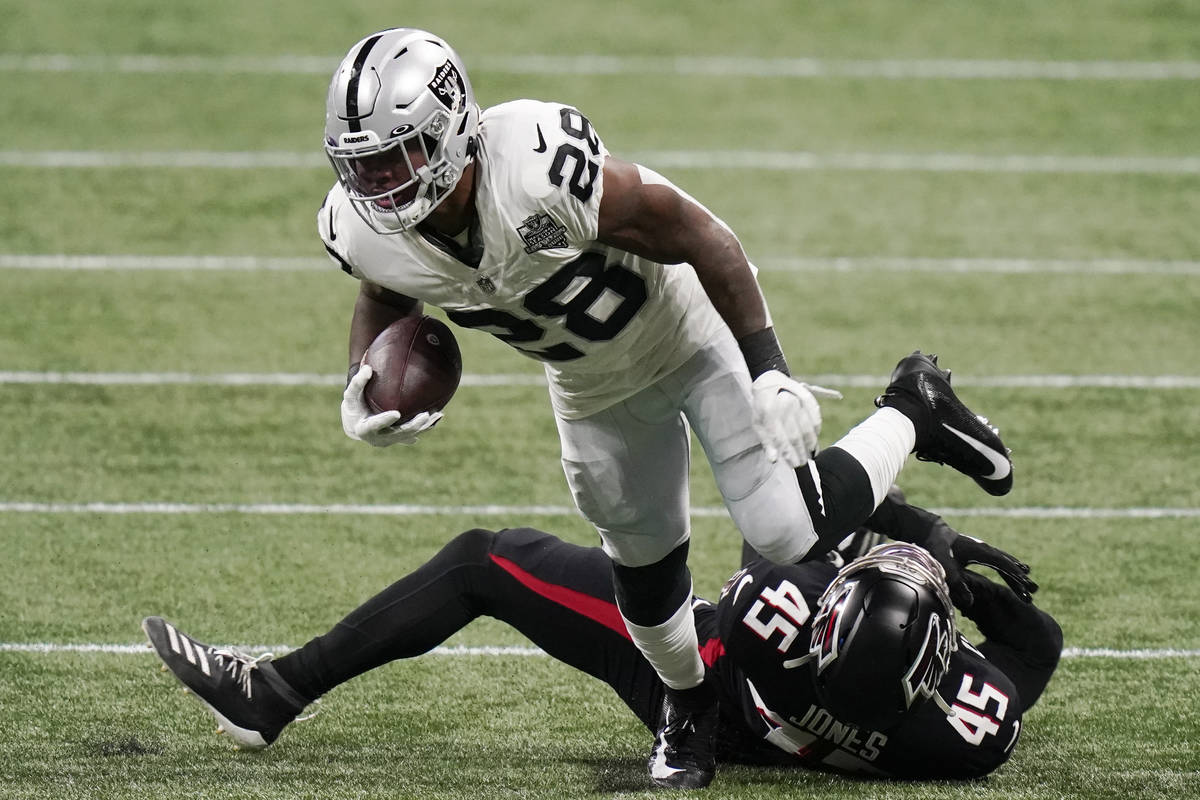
(628, 466)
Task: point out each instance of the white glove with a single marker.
(787, 417)
(379, 430)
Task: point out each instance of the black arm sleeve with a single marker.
(1021, 639)
(897, 520)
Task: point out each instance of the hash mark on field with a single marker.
(516, 650)
(784, 161)
(705, 66)
(318, 380)
(496, 510)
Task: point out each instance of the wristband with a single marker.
(762, 352)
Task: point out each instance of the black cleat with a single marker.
(684, 754)
(251, 702)
(948, 432)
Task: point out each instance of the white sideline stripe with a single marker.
(1105, 652)
(496, 510)
(496, 650)
(662, 159)
(474, 380)
(1100, 266)
(734, 66)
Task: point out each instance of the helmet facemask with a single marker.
(400, 126)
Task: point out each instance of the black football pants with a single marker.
(558, 595)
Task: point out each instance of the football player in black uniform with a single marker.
(859, 669)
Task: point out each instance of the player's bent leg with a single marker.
(628, 470)
(557, 594)
(825, 500)
(656, 602)
(561, 597)
(564, 598)
(410, 617)
(773, 516)
(778, 516)
(254, 699)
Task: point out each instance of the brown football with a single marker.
(417, 366)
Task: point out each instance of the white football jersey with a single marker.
(605, 322)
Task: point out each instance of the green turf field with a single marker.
(933, 175)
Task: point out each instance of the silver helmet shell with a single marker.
(400, 126)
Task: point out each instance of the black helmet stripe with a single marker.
(352, 117)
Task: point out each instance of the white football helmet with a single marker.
(400, 126)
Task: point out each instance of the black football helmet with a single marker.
(882, 636)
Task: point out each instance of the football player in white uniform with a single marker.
(645, 312)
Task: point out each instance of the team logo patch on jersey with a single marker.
(541, 232)
(486, 285)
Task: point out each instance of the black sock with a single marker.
(651, 595)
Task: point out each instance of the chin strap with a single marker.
(792, 663)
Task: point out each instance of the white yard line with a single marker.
(40, 648)
(1006, 266)
(706, 66)
(518, 511)
(1031, 266)
(771, 161)
(1155, 382)
(232, 379)
(165, 263)
(135, 649)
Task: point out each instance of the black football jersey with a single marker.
(759, 630)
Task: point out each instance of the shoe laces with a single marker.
(240, 667)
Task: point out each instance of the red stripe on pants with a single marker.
(593, 608)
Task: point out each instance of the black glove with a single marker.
(955, 552)
(969, 550)
(907, 523)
